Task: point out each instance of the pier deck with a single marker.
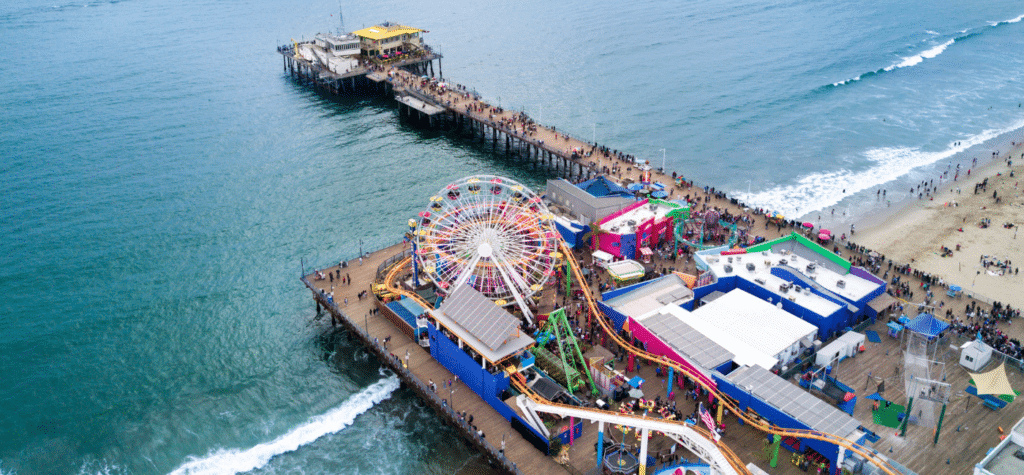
(422, 367)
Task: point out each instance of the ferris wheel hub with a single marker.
(485, 249)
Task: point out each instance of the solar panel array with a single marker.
(674, 296)
(480, 316)
(687, 341)
(787, 397)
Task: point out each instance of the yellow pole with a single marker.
(720, 406)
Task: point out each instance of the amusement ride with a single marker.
(491, 233)
(497, 235)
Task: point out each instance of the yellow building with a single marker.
(388, 38)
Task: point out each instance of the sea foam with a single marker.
(914, 60)
(231, 461)
(818, 191)
(918, 58)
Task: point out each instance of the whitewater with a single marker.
(232, 461)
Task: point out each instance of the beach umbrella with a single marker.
(659, 194)
(635, 187)
(658, 186)
(955, 288)
(808, 225)
(825, 231)
(824, 237)
(874, 254)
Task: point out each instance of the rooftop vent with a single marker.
(841, 284)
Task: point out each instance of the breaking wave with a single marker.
(232, 461)
(914, 60)
(819, 191)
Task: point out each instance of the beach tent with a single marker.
(993, 382)
(927, 325)
(974, 355)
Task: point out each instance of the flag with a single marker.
(708, 420)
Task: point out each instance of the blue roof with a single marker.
(406, 309)
(926, 324)
(601, 186)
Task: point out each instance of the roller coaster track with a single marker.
(757, 423)
(727, 402)
(549, 406)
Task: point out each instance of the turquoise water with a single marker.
(162, 179)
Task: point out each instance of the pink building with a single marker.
(645, 223)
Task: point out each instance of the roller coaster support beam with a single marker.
(643, 451)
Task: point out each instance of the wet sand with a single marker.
(916, 233)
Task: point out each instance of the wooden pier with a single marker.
(519, 457)
(461, 112)
(970, 428)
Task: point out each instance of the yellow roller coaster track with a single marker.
(723, 399)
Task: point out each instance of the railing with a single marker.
(385, 266)
(305, 272)
(445, 409)
(395, 365)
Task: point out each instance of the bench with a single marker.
(992, 405)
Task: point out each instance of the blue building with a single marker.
(810, 281)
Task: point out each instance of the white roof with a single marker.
(743, 353)
(626, 269)
(651, 297)
(757, 323)
(805, 299)
(855, 288)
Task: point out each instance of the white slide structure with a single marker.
(682, 433)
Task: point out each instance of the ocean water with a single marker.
(162, 179)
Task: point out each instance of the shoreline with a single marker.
(878, 213)
(914, 231)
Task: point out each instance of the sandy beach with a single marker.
(952, 218)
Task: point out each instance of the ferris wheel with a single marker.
(491, 233)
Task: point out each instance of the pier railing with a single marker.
(385, 266)
(306, 272)
(394, 363)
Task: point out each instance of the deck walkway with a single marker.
(424, 368)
